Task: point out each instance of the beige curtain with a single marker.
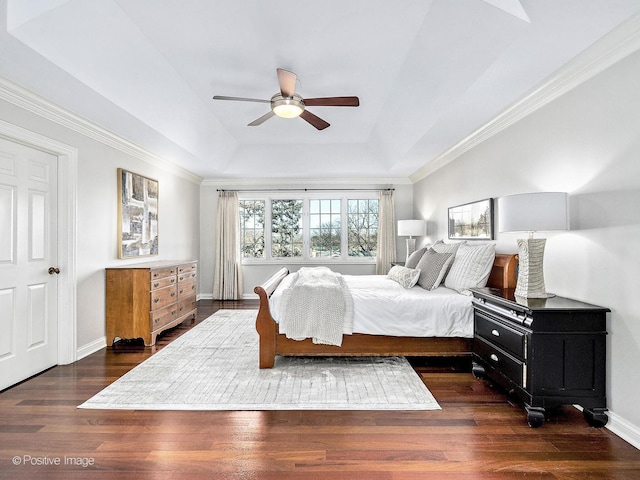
(227, 270)
(386, 232)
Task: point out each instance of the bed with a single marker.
(272, 343)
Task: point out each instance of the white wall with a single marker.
(97, 216)
(256, 274)
(586, 143)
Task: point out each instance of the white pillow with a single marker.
(407, 277)
(433, 266)
(471, 267)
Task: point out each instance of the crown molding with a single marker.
(610, 49)
(34, 103)
(247, 183)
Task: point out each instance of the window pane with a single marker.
(362, 235)
(286, 228)
(324, 232)
(252, 228)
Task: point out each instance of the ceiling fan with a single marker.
(288, 104)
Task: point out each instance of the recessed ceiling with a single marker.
(427, 74)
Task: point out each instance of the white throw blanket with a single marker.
(317, 305)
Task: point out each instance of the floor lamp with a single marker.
(532, 212)
(411, 228)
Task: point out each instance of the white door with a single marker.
(28, 292)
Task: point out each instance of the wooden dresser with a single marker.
(146, 298)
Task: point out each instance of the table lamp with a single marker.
(411, 228)
(532, 212)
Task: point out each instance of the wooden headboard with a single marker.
(504, 272)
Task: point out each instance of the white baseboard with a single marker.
(624, 429)
(90, 348)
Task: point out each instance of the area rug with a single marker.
(214, 366)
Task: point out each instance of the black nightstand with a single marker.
(547, 351)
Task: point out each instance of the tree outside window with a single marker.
(286, 228)
(252, 232)
(363, 228)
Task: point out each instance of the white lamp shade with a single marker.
(533, 212)
(412, 228)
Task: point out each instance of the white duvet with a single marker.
(383, 307)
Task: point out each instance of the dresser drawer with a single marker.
(186, 305)
(163, 282)
(188, 268)
(186, 289)
(163, 297)
(509, 339)
(500, 360)
(163, 316)
(162, 272)
(187, 276)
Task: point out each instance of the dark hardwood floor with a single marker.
(479, 433)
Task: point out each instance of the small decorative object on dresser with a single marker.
(145, 299)
(547, 351)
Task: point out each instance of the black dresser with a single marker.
(547, 351)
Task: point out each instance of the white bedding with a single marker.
(382, 307)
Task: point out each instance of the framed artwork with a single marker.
(472, 221)
(137, 215)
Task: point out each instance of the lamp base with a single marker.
(530, 269)
(411, 247)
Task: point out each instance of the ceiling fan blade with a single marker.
(240, 99)
(314, 120)
(332, 102)
(287, 81)
(261, 120)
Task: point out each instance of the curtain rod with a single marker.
(307, 190)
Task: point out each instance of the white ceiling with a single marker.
(427, 74)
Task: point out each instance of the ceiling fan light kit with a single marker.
(288, 104)
(285, 107)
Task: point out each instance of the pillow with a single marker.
(433, 266)
(471, 267)
(414, 258)
(407, 277)
(442, 247)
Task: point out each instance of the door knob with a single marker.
(53, 270)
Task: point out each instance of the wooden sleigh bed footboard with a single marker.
(272, 343)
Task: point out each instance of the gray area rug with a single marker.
(214, 366)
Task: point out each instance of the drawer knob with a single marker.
(156, 300)
(495, 333)
(155, 285)
(493, 357)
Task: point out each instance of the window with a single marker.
(252, 228)
(309, 228)
(324, 228)
(286, 228)
(363, 228)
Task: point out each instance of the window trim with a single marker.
(305, 259)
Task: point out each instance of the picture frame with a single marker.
(137, 215)
(471, 221)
